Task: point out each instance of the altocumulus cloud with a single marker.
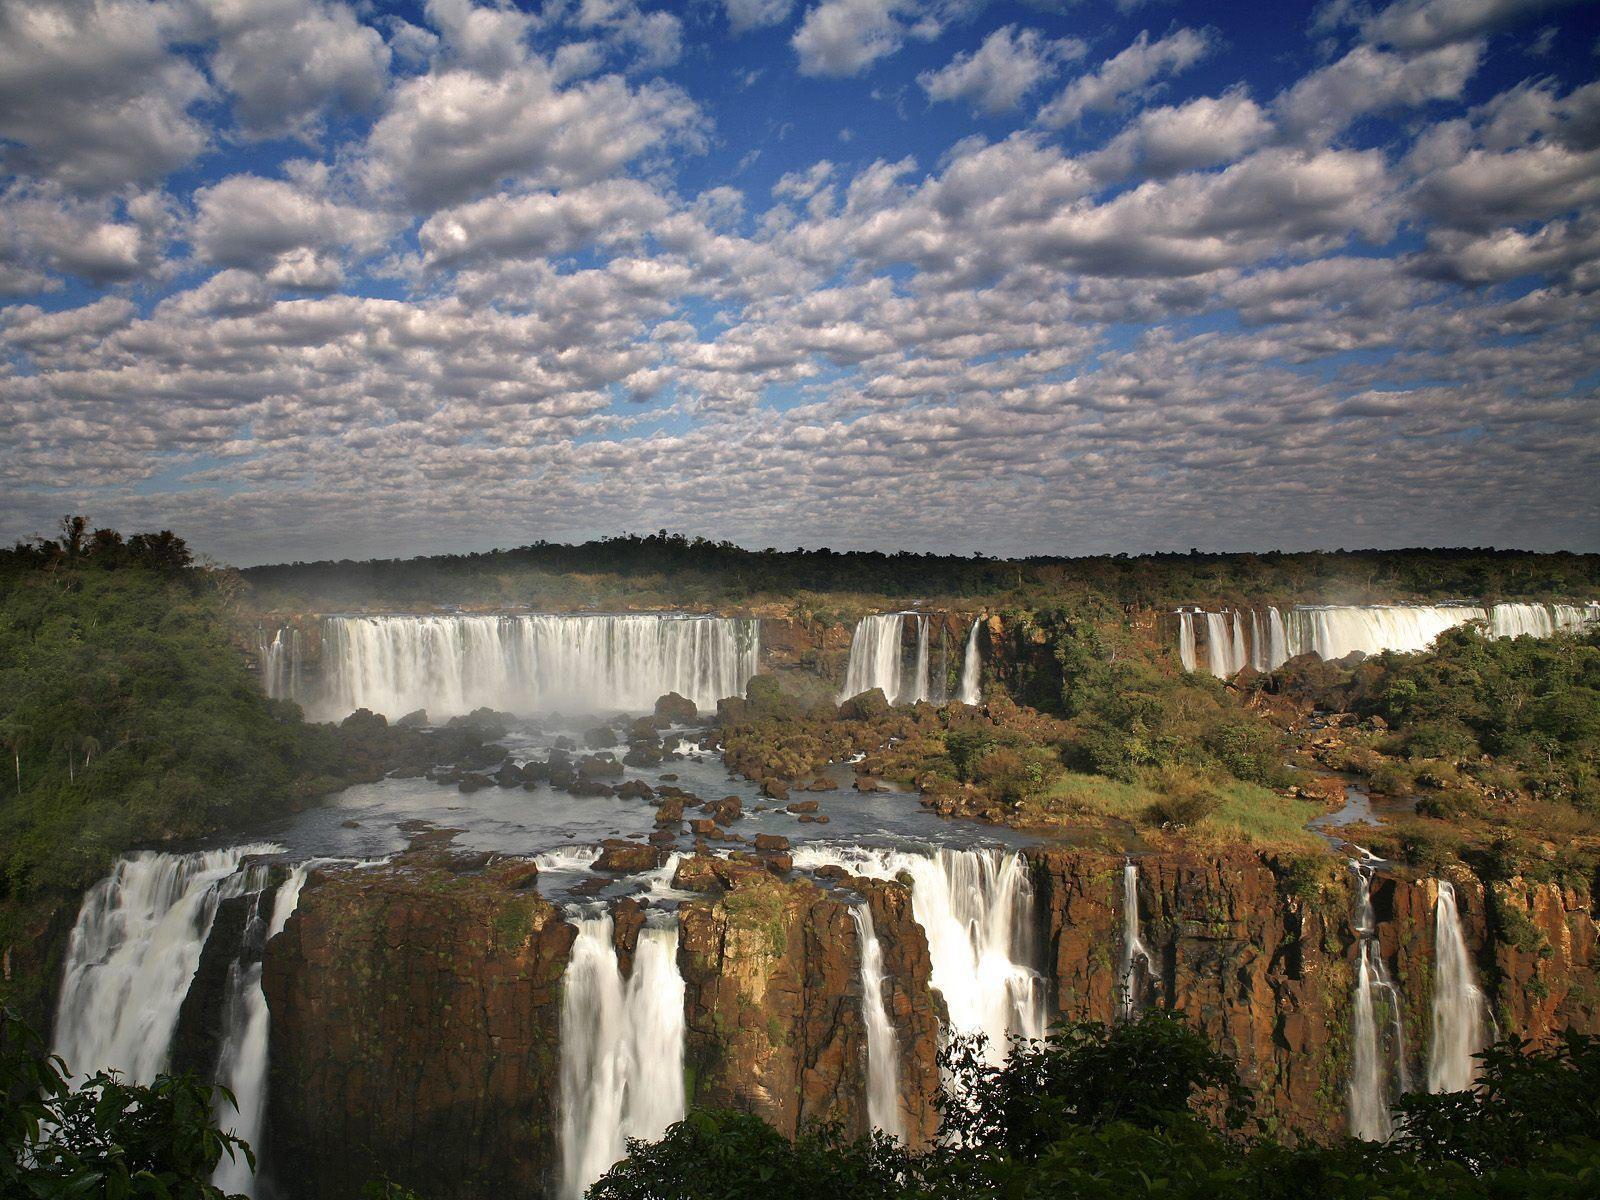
(305, 277)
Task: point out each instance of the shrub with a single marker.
(1185, 797)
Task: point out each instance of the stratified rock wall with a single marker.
(415, 1023)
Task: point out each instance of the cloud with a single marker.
(542, 224)
(1165, 141)
(247, 221)
(996, 76)
(745, 15)
(1322, 104)
(1428, 24)
(103, 241)
(1127, 73)
(90, 95)
(845, 37)
(286, 61)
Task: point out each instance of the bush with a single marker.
(1186, 797)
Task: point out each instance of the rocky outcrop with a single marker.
(773, 973)
(415, 1028)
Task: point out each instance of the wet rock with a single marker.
(771, 841)
(635, 789)
(729, 808)
(601, 737)
(599, 766)
(669, 811)
(474, 782)
(802, 806)
(414, 720)
(584, 786)
(628, 858)
(775, 789)
(864, 707)
(703, 827)
(509, 774)
(643, 756)
(676, 710)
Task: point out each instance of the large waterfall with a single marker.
(621, 1048)
(1377, 1032)
(976, 907)
(883, 1050)
(452, 664)
(134, 951)
(1135, 954)
(971, 667)
(1333, 631)
(877, 659)
(1460, 1011)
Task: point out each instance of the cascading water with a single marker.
(280, 661)
(1377, 1036)
(971, 667)
(242, 1066)
(875, 656)
(621, 1048)
(976, 907)
(1333, 631)
(883, 1056)
(918, 690)
(1135, 954)
(1460, 1011)
(134, 951)
(452, 664)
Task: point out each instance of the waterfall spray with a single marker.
(883, 1057)
(971, 667)
(1135, 954)
(1377, 1036)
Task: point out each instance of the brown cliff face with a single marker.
(774, 1023)
(415, 1025)
(1259, 953)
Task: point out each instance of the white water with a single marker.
(1377, 1036)
(1460, 1011)
(875, 656)
(453, 664)
(1333, 631)
(976, 907)
(1135, 954)
(242, 1066)
(621, 1048)
(133, 954)
(919, 688)
(280, 661)
(883, 1056)
(971, 667)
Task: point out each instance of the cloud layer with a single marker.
(299, 278)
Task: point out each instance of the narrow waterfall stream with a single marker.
(976, 907)
(133, 953)
(1377, 1034)
(883, 1052)
(621, 1048)
(1460, 1010)
(1135, 954)
(971, 667)
(875, 656)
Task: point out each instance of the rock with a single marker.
(780, 864)
(703, 827)
(802, 806)
(601, 737)
(669, 811)
(771, 841)
(509, 774)
(662, 837)
(584, 786)
(676, 710)
(364, 719)
(775, 789)
(729, 808)
(599, 766)
(643, 731)
(635, 789)
(350, 824)
(865, 706)
(643, 756)
(413, 720)
(628, 858)
(473, 782)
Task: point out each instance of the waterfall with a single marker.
(1335, 630)
(621, 1048)
(1135, 954)
(452, 664)
(1377, 1036)
(1460, 1012)
(971, 667)
(875, 656)
(918, 690)
(1186, 652)
(242, 1066)
(280, 661)
(883, 1052)
(976, 907)
(941, 690)
(133, 954)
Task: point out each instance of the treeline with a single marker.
(671, 568)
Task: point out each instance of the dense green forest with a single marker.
(664, 568)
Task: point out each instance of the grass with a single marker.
(1248, 814)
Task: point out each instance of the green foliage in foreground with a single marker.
(126, 714)
(1148, 1108)
(104, 1138)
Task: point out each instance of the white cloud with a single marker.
(285, 61)
(1202, 133)
(103, 241)
(1323, 103)
(745, 15)
(90, 95)
(1128, 73)
(1427, 24)
(248, 221)
(542, 224)
(996, 76)
(845, 37)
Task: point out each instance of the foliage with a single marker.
(104, 1137)
(1149, 1108)
(1183, 797)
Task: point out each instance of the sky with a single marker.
(304, 279)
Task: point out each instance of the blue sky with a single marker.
(300, 278)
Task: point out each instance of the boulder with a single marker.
(413, 720)
(771, 841)
(802, 806)
(635, 789)
(628, 858)
(864, 706)
(601, 737)
(676, 710)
